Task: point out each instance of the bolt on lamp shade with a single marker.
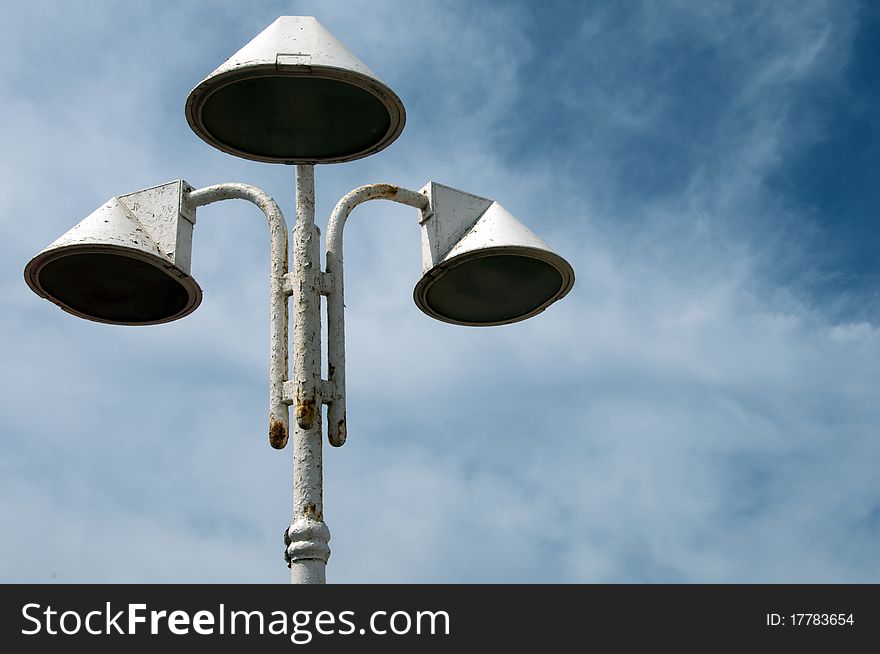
(481, 266)
(295, 94)
(127, 263)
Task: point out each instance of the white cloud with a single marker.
(685, 414)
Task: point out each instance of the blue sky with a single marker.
(702, 407)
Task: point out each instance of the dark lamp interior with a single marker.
(289, 118)
(493, 289)
(113, 288)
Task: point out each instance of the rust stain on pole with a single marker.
(311, 511)
(337, 436)
(277, 434)
(305, 412)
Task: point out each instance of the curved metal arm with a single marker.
(279, 424)
(336, 429)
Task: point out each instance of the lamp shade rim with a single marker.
(556, 262)
(201, 94)
(37, 265)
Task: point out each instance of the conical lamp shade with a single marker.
(109, 268)
(295, 94)
(496, 272)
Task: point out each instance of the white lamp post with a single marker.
(295, 95)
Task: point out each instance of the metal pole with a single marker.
(307, 537)
(336, 421)
(278, 410)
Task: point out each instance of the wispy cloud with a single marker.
(692, 411)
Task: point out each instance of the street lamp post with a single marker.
(295, 95)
